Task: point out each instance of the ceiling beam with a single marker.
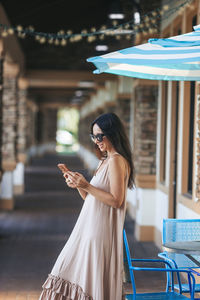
(64, 79)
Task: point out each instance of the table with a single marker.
(187, 248)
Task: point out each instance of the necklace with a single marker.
(99, 166)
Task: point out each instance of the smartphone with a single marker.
(63, 168)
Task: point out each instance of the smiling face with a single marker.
(105, 145)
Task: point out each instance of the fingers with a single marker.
(74, 178)
(74, 173)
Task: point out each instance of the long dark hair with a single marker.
(114, 130)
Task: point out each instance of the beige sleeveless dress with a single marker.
(90, 265)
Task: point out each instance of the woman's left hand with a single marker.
(77, 179)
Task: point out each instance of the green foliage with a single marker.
(68, 119)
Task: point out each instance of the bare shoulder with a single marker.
(117, 161)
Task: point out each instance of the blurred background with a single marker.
(48, 98)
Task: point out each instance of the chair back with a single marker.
(175, 230)
(129, 263)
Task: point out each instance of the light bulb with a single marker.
(63, 42)
(50, 41)
(19, 28)
(56, 42)
(10, 30)
(4, 33)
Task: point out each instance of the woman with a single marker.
(90, 266)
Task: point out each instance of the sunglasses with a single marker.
(98, 137)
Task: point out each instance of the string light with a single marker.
(50, 41)
(42, 40)
(31, 28)
(101, 37)
(165, 7)
(4, 33)
(63, 42)
(128, 37)
(84, 32)
(21, 34)
(114, 22)
(103, 27)
(71, 39)
(19, 28)
(10, 31)
(147, 26)
(61, 32)
(154, 13)
(153, 21)
(118, 37)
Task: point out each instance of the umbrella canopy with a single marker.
(175, 58)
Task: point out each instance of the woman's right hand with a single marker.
(68, 181)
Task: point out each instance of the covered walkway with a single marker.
(33, 234)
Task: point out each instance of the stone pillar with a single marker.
(84, 131)
(9, 133)
(18, 179)
(123, 110)
(21, 141)
(145, 126)
(46, 135)
(32, 110)
(49, 125)
(145, 132)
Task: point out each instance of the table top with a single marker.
(185, 247)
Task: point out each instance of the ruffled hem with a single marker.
(56, 288)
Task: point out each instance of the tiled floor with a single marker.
(32, 236)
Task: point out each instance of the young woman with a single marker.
(90, 266)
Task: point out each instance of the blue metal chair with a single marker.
(168, 294)
(175, 230)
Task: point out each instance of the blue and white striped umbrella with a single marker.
(175, 58)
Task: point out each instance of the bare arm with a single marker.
(82, 193)
(113, 198)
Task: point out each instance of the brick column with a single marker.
(32, 110)
(145, 127)
(145, 131)
(21, 140)
(9, 130)
(123, 109)
(84, 131)
(49, 125)
(46, 129)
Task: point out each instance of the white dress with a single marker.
(90, 265)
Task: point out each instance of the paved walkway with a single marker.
(33, 234)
